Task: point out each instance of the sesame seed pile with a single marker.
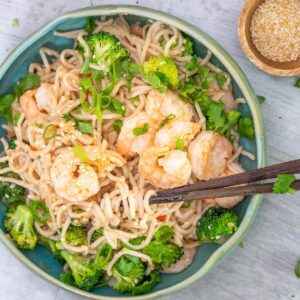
(275, 29)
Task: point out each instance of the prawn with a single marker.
(129, 144)
(229, 202)
(209, 153)
(33, 101)
(175, 130)
(77, 181)
(161, 105)
(165, 169)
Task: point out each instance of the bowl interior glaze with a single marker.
(208, 256)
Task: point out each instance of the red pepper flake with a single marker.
(33, 148)
(11, 134)
(57, 126)
(161, 218)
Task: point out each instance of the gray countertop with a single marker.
(263, 269)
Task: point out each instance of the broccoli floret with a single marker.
(161, 250)
(11, 192)
(19, 224)
(76, 236)
(161, 71)
(216, 225)
(128, 271)
(86, 273)
(147, 284)
(105, 49)
(51, 245)
(167, 253)
(82, 269)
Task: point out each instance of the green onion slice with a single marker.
(49, 132)
(117, 125)
(140, 130)
(39, 211)
(180, 144)
(81, 154)
(166, 120)
(105, 101)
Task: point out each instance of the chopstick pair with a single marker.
(234, 185)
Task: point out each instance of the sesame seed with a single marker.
(275, 30)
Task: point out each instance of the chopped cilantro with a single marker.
(283, 184)
(15, 22)
(297, 269)
(188, 47)
(241, 245)
(297, 83)
(192, 64)
(221, 79)
(27, 82)
(246, 127)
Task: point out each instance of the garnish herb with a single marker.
(241, 245)
(221, 79)
(297, 83)
(90, 24)
(297, 269)
(117, 106)
(117, 125)
(192, 64)
(164, 234)
(81, 154)
(188, 47)
(39, 211)
(28, 82)
(135, 101)
(49, 132)
(261, 99)
(180, 144)
(85, 66)
(283, 184)
(15, 22)
(83, 127)
(140, 130)
(166, 120)
(246, 127)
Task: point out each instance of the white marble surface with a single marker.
(264, 268)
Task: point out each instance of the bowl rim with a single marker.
(235, 71)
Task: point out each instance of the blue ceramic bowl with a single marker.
(208, 256)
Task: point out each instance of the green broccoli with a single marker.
(76, 235)
(128, 271)
(51, 245)
(147, 284)
(160, 72)
(11, 192)
(216, 225)
(166, 253)
(161, 250)
(19, 224)
(105, 49)
(86, 273)
(82, 269)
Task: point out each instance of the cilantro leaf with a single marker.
(283, 184)
(192, 64)
(216, 118)
(297, 83)
(158, 80)
(297, 269)
(188, 89)
(180, 144)
(246, 127)
(261, 99)
(28, 82)
(188, 47)
(221, 79)
(90, 24)
(5, 106)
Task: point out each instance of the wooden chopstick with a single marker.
(244, 190)
(292, 167)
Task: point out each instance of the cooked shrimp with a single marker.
(45, 98)
(160, 105)
(174, 130)
(208, 154)
(229, 202)
(29, 106)
(225, 96)
(74, 180)
(34, 101)
(165, 169)
(128, 144)
(185, 260)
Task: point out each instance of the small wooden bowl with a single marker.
(265, 64)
